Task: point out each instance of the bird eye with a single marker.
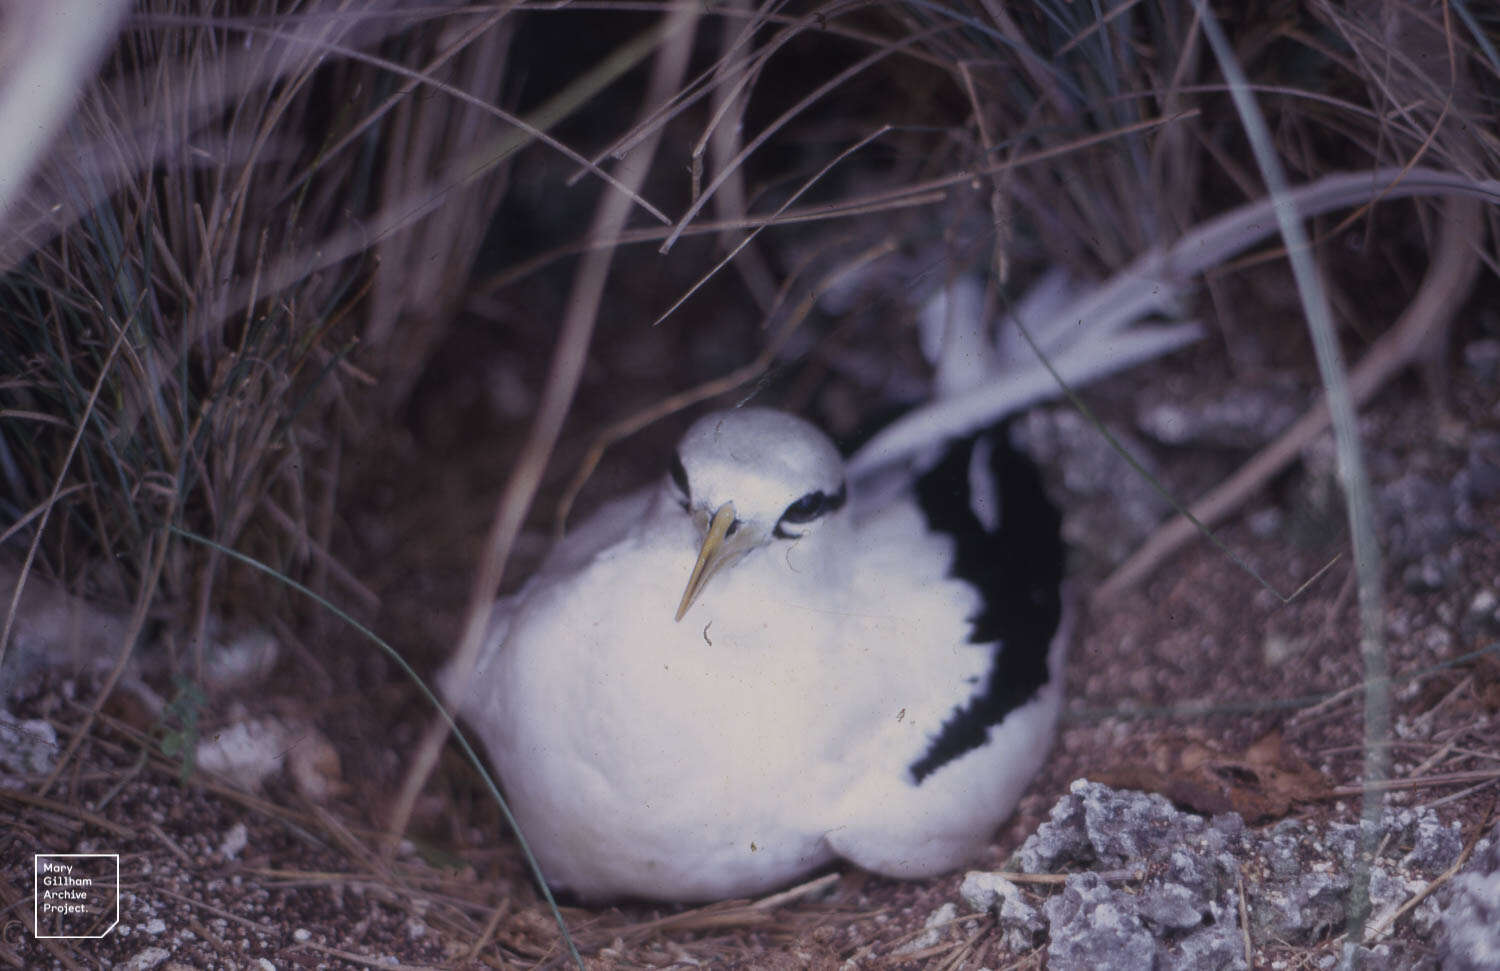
(810, 507)
(806, 509)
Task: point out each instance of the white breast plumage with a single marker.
(740, 674)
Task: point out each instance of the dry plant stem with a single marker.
(744, 243)
(57, 491)
(487, 933)
(208, 780)
(478, 162)
(819, 212)
(1450, 277)
(1388, 785)
(68, 809)
(1036, 67)
(722, 914)
(144, 597)
(407, 210)
(451, 50)
(369, 961)
(817, 94)
(741, 46)
(417, 272)
(724, 143)
(814, 886)
(931, 192)
(197, 95)
(999, 198)
(557, 396)
(1355, 483)
(1439, 880)
(14, 900)
(1239, 884)
(685, 399)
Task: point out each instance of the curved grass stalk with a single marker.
(1355, 480)
(432, 699)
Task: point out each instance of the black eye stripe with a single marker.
(806, 509)
(813, 505)
(679, 476)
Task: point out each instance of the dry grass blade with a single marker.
(1421, 782)
(881, 203)
(1450, 277)
(709, 389)
(198, 424)
(562, 382)
(748, 238)
(43, 512)
(1385, 924)
(15, 900)
(843, 77)
(67, 809)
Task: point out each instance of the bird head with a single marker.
(751, 477)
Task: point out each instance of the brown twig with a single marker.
(57, 491)
(1441, 879)
(67, 809)
(1386, 785)
(716, 386)
(1239, 884)
(12, 898)
(1450, 277)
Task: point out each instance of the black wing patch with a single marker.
(1017, 569)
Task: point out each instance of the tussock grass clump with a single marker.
(227, 215)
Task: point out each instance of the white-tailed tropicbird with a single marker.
(740, 674)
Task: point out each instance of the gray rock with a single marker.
(1282, 848)
(1242, 418)
(1303, 910)
(1434, 844)
(1482, 357)
(1217, 948)
(1470, 935)
(1479, 480)
(1092, 927)
(1170, 906)
(1429, 574)
(1394, 956)
(1021, 924)
(1177, 881)
(1097, 824)
(981, 890)
(1187, 870)
(1483, 615)
(1417, 516)
(27, 747)
(1060, 841)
